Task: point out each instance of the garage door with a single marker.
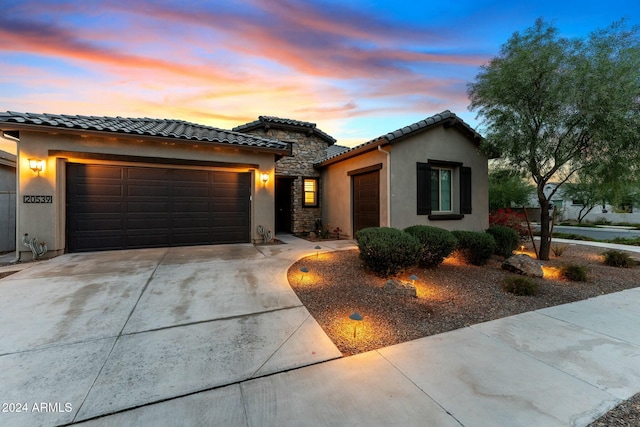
(366, 200)
(126, 207)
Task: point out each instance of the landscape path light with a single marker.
(357, 317)
(413, 279)
(303, 270)
(317, 248)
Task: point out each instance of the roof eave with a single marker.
(12, 126)
(373, 145)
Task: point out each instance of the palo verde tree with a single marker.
(552, 106)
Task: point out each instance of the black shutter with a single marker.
(424, 188)
(465, 190)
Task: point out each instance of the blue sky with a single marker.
(358, 68)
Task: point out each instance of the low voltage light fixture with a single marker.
(264, 176)
(36, 165)
(357, 317)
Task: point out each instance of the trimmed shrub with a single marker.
(618, 259)
(437, 243)
(507, 239)
(387, 251)
(575, 273)
(519, 285)
(475, 247)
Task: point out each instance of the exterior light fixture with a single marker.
(36, 165)
(357, 317)
(264, 177)
(317, 248)
(413, 279)
(303, 270)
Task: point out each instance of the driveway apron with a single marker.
(90, 334)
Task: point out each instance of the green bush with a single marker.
(519, 285)
(437, 243)
(618, 259)
(575, 273)
(507, 239)
(475, 247)
(387, 251)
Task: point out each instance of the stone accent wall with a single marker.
(306, 150)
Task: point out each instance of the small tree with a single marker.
(585, 192)
(553, 106)
(508, 188)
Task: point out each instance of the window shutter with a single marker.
(465, 190)
(424, 188)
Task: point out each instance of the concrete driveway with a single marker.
(85, 335)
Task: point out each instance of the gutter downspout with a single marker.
(388, 184)
(16, 140)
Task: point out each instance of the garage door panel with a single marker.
(116, 207)
(146, 174)
(101, 224)
(101, 172)
(99, 207)
(145, 191)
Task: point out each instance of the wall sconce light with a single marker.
(264, 176)
(36, 165)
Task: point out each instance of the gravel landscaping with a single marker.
(450, 296)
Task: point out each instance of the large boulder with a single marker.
(523, 264)
(396, 287)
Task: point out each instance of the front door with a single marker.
(366, 200)
(283, 204)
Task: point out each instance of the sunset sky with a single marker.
(357, 68)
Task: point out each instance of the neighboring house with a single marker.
(120, 183)
(431, 172)
(570, 210)
(7, 202)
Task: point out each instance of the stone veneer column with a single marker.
(306, 149)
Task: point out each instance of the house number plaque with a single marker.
(37, 199)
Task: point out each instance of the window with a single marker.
(310, 193)
(441, 189)
(444, 190)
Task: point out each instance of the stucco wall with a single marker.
(337, 210)
(47, 221)
(444, 144)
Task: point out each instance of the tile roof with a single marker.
(162, 128)
(277, 122)
(444, 118)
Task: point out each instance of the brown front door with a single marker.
(366, 200)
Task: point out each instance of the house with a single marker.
(89, 183)
(568, 209)
(431, 172)
(7, 202)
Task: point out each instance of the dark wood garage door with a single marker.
(126, 207)
(366, 200)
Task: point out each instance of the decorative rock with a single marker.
(523, 264)
(396, 287)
